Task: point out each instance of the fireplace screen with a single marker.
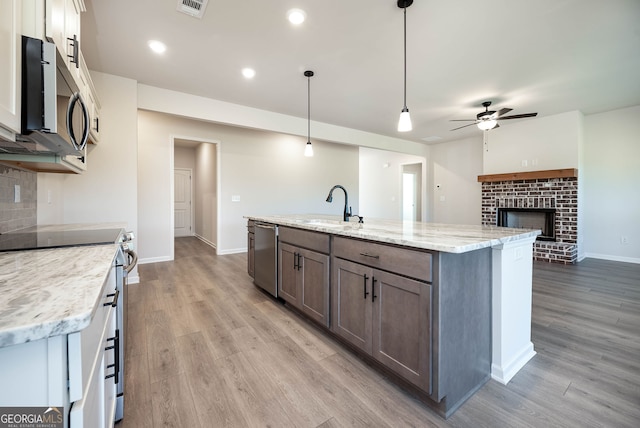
(530, 218)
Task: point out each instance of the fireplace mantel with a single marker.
(529, 175)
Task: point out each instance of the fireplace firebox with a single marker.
(530, 218)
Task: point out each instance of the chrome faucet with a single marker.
(346, 214)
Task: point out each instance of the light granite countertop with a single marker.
(50, 292)
(450, 238)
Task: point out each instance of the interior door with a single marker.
(182, 202)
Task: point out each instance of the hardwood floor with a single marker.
(206, 348)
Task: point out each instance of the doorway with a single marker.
(182, 194)
(412, 192)
(201, 158)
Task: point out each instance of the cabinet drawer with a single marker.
(305, 239)
(412, 263)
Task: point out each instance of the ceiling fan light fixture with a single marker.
(487, 124)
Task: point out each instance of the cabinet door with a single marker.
(314, 278)
(10, 58)
(112, 371)
(72, 36)
(351, 311)
(288, 262)
(251, 245)
(402, 326)
(54, 27)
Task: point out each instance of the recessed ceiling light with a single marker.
(296, 16)
(157, 47)
(249, 73)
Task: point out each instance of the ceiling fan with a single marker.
(488, 119)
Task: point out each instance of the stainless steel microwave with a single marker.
(54, 116)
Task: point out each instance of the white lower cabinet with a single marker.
(75, 372)
(96, 407)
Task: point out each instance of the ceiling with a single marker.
(545, 56)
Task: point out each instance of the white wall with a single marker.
(551, 142)
(184, 157)
(381, 183)
(206, 182)
(612, 184)
(455, 191)
(107, 191)
(207, 109)
(265, 169)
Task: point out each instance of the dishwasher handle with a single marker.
(265, 226)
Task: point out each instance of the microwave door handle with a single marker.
(77, 99)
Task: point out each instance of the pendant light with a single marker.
(308, 149)
(404, 124)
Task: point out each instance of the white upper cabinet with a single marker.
(63, 28)
(90, 98)
(10, 58)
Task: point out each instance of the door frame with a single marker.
(419, 171)
(171, 226)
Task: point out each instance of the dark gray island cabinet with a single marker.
(420, 315)
(423, 315)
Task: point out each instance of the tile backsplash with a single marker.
(17, 215)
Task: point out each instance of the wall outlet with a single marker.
(16, 194)
(524, 162)
(624, 240)
(443, 198)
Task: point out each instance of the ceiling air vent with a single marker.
(193, 8)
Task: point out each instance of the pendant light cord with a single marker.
(308, 108)
(405, 54)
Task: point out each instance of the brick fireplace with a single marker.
(554, 191)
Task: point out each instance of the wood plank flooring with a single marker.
(206, 348)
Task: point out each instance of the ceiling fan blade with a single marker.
(518, 116)
(462, 120)
(503, 111)
(463, 126)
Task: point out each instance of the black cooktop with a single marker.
(33, 240)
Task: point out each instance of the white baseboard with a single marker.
(506, 373)
(205, 240)
(232, 251)
(154, 260)
(612, 258)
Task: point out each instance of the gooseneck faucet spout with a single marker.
(347, 213)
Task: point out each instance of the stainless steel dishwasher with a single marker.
(266, 257)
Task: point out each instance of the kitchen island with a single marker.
(450, 305)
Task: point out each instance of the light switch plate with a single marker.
(235, 198)
(16, 194)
